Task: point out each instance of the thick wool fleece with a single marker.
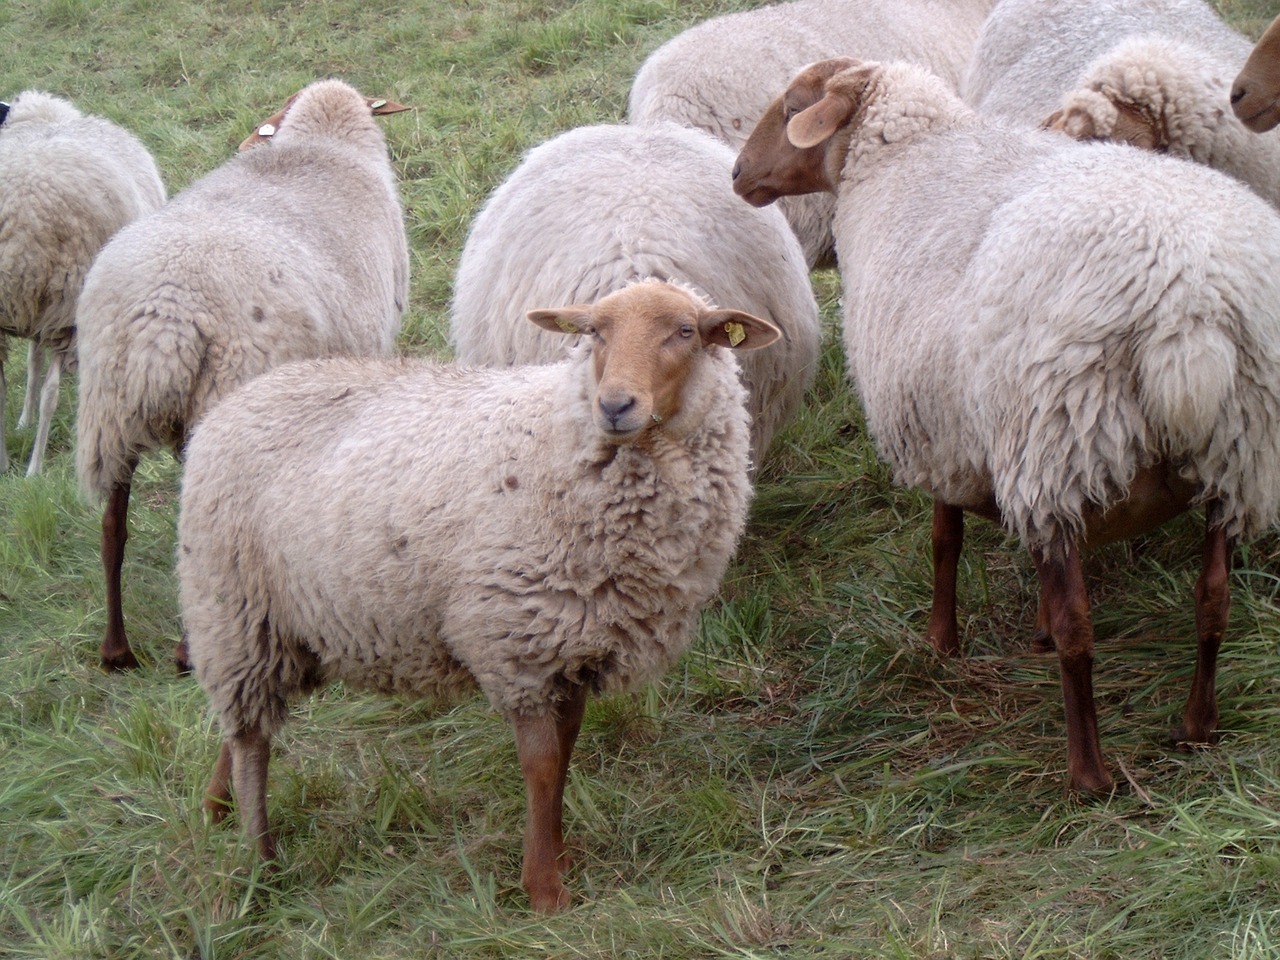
(596, 208)
(422, 529)
(721, 74)
(291, 250)
(1037, 318)
(70, 181)
(1031, 52)
(1186, 91)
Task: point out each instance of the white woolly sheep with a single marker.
(720, 75)
(1031, 53)
(70, 182)
(1079, 341)
(287, 251)
(597, 207)
(1255, 95)
(326, 532)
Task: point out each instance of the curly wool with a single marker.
(720, 75)
(1184, 91)
(1031, 52)
(290, 250)
(1045, 317)
(70, 182)
(595, 208)
(421, 529)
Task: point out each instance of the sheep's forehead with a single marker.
(658, 309)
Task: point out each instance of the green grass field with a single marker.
(812, 781)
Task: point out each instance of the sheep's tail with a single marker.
(136, 398)
(1186, 377)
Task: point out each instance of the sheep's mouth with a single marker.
(758, 195)
(1262, 119)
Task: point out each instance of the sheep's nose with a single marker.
(1237, 94)
(737, 168)
(614, 410)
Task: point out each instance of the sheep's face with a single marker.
(793, 149)
(1255, 96)
(645, 342)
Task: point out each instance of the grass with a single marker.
(811, 781)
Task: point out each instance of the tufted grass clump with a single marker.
(810, 781)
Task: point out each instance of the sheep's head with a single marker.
(378, 106)
(645, 342)
(1255, 96)
(791, 150)
(1094, 115)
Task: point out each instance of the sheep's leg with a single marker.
(115, 651)
(182, 657)
(35, 369)
(948, 538)
(1042, 639)
(48, 404)
(1213, 601)
(1062, 582)
(544, 745)
(250, 756)
(217, 795)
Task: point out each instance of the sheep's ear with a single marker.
(381, 106)
(575, 319)
(1053, 121)
(815, 125)
(736, 330)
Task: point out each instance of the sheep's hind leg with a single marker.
(35, 370)
(48, 403)
(217, 795)
(544, 745)
(948, 538)
(115, 651)
(250, 755)
(1213, 602)
(1062, 583)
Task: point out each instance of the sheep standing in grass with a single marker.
(598, 207)
(410, 528)
(70, 181)
(720, 75)
(1031, 53)
(1255, 94)
(288, 251)
(1078, 341)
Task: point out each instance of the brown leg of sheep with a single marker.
(1213, 601)
(115, 651)
(1042, 639)
(948, 537)
(1062, 583)
(217, 795)
(250, 755)
(544, 745)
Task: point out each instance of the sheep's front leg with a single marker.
(1213, 601)
(948, 538)
(115, 651)
(1064, 595)
(544, 745)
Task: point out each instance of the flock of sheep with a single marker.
(1078, 340)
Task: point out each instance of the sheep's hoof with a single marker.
(551, 900)
(1041, 642)
(1189, 741)
(120, 661)
(1092, 784)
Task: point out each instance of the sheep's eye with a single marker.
(594, 334)
(686, 330)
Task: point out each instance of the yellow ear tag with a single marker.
(566, 325)
(736, 333)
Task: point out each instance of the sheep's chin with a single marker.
(1265, 119)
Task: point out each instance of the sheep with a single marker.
(719, 75)
(70, 182)
(628, 203)
(1031, 53)
(287, 251)
(1255, 94)
(1076, 340)
(324, 533)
